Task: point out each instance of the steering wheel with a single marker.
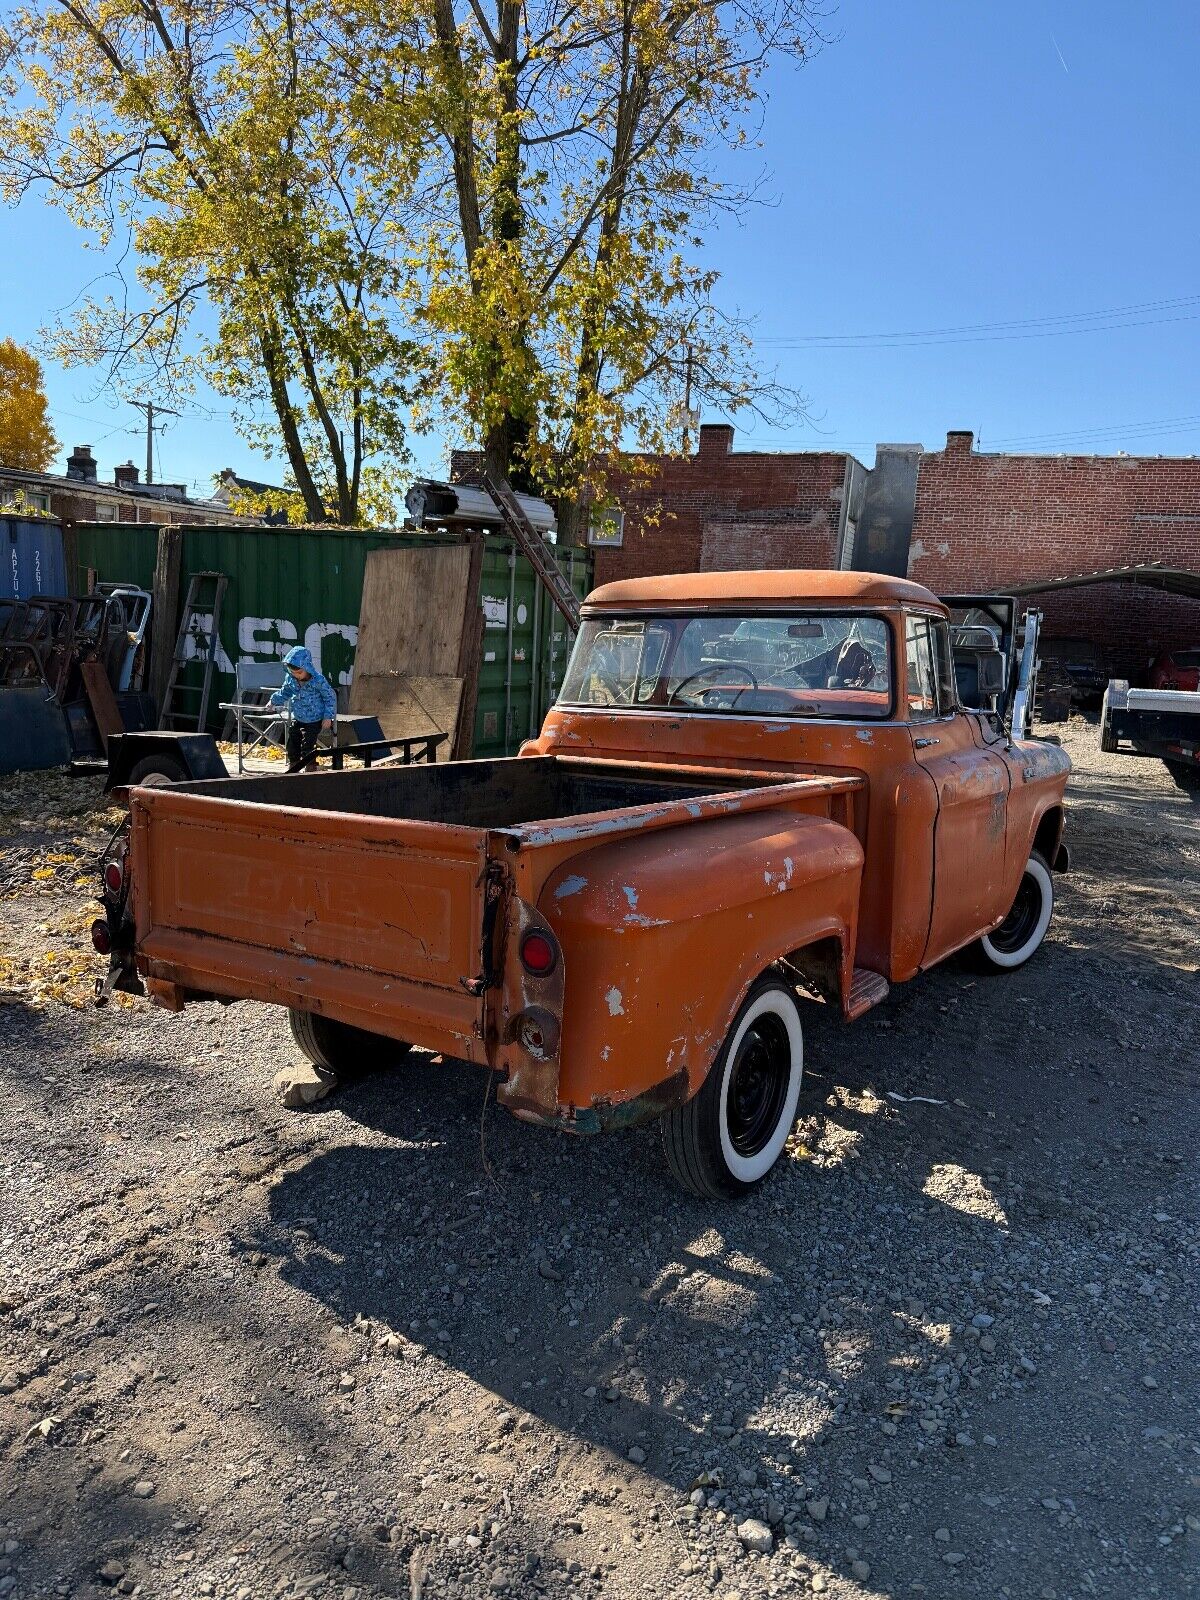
(742, 673)
(618, 693)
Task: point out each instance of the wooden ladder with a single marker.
(199, 624)
(531, 544)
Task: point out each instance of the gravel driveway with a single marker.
(400, 1345)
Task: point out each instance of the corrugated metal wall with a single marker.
(304, 586)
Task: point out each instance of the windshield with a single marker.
(815, 665)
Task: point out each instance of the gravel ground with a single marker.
(398, 1345)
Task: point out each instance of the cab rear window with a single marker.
(801, 665)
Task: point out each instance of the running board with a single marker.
(867, 989)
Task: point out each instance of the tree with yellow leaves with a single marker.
(26, 438)
(221, 138)
(572, 154)
(352, 214)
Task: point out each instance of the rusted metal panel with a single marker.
(297, 901)
(102, 700)
(761, 591)
(972, 787)
(186, 966)
(666, 932)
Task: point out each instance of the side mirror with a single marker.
(990, 667)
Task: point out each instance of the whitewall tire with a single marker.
(1020, 934)
(729, 1135)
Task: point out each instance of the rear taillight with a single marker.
(101, 937)
(539, 954)
(114, 877)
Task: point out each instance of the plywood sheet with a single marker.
(413, 604)
(408, 706)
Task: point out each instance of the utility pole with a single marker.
(150, 408)
(687, 404)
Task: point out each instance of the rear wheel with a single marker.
(1011, 944)
(338, 1048)
(726, 1139)
(154, 771)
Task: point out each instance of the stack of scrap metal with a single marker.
(69, 670)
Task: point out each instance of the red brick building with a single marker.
(954, 519)
(722, 509)
(986, 521)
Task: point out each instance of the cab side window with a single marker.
(919, 664)
(943, 666)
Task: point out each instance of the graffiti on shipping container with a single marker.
(270, 639)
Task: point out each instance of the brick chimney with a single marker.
(959, 442)
(81, 464)
(716, 439)
(125, 476)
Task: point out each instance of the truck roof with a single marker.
(723, 590)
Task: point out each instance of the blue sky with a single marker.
(1013, 169)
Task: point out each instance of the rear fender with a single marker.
(664, 934)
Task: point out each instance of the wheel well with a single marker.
(196, 753)
(818, 966)
(1049, 832)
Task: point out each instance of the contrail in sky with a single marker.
(1054, 42)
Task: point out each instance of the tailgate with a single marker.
(360, 917)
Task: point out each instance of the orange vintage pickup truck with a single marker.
(757, 791)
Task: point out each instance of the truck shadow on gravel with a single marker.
(783, 1346)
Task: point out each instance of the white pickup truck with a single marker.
(1154, 722)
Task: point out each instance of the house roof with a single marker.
(172, 494)
(807, 587)
(251, 485)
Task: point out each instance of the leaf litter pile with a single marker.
(53, 828)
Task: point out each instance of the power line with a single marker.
(74, 415)
(1136, 316)
(1134, 432)
(1128, 430)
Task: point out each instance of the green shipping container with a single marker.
(304, 586)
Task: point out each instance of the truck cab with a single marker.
(845, 673)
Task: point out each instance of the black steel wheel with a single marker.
(758, 1084)
(154, 771)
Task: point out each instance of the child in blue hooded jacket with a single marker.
(313, 704)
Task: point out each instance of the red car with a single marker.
(1176, 669)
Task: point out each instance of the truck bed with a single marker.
(365, 894)
(474, 794)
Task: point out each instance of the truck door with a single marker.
(972, 788)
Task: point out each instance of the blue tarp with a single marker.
(31, 554)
